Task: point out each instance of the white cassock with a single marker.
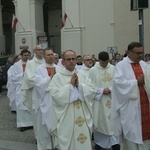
(147, 80)
(73, 112)
(28, 88)
(126, 112)
(83, 73)
(43, 106)
(24, 118)
(11, 89)
(103, 125)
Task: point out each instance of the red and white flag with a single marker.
(64, 19)
(14, 21)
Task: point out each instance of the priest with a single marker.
(72, 105)
(130, 103)
(24, 118)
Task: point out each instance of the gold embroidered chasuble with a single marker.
(102, 78)
(74, 121)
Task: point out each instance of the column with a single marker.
(30, 25)
(71, 33)
(2, 38)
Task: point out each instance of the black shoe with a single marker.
(13, 111)
(92, 136)
(97, 147)
(22, 129)
(116, 147)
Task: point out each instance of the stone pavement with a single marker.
(10, 137)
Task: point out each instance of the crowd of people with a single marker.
(67, 100)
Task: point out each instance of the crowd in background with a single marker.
(43, 78)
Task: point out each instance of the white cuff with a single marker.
(74, 94)
(80, 90)
(99, 93)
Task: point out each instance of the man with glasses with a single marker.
(130, 104)
(73, 111)
(28, 84)
(87, 64)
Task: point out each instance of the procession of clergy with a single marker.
(66, 103)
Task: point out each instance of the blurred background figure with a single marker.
(147, 58)
(56, 58)
(94, 59)
(79, 62)
(117, 58)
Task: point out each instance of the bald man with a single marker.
(28, 84)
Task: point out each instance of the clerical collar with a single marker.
(24, 62)
(130, 61)
(85, 67)
(67, 72)
(49, 65)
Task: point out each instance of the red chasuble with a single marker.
(24, 67)
(145, 105)
(49, 70)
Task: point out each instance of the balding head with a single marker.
(38, 47)
(38, 50)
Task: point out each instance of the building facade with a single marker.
(89, 26)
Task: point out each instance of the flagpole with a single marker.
(21, 25)
(14, 22)
(68, 18)
(70, 21)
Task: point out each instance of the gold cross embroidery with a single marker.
(108, 104)
(77, 104)
(106, 77)
(80, 121)
(82, 138)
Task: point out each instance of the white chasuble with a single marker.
(28, 82)
(42, 94)
(83, 74)
(126, 111)
(11, 89)
(147, 80)
(102, 78)
(17, 80)
(74, 121)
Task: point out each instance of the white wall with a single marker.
(97, 17)
(108, 23)
(126, 25)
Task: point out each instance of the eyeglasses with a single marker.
(69, 59)
(137, 53)
(88, 60)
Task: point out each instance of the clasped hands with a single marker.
(140, 80)
(106, 91)
(53, 72)
(74, 80)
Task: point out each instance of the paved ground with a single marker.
(10, 137)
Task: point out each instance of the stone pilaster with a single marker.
(30, 26)
(2, 37)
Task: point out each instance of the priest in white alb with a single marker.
(28, 84)
(130, 103)
(101, 76)
(84, 71)
(11, 86)
(24, 118)
(43, 104)
(72, 105)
